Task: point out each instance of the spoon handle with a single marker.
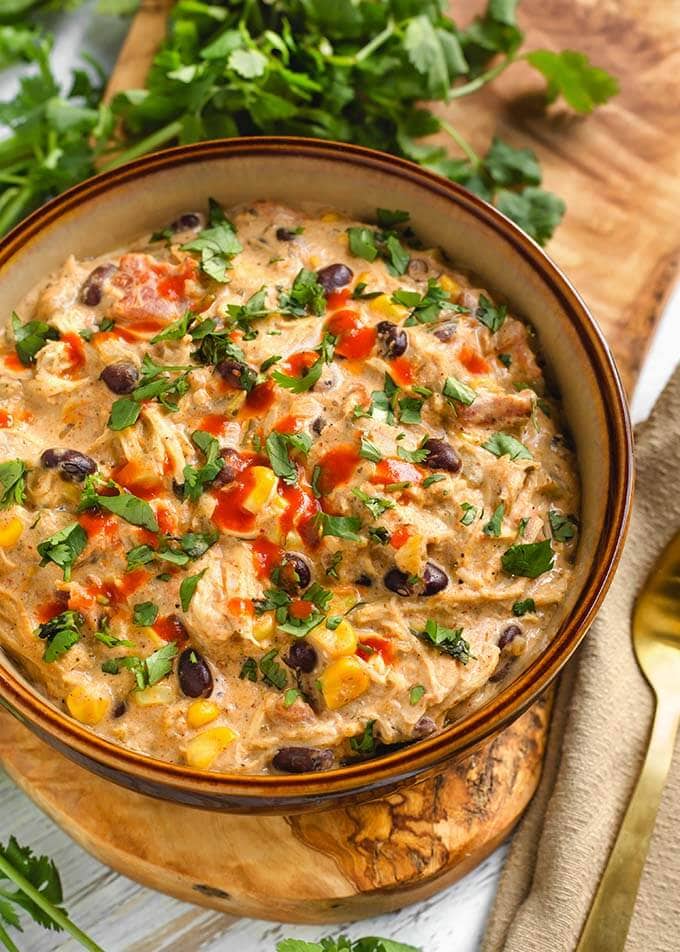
(609, 918)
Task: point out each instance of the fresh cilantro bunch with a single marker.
(358, 71)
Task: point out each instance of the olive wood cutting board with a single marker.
(619, 172)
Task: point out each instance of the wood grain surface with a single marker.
(618, 171)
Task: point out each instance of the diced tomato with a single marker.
(260, 399)
(393, 470)
(266, 556)
(375, 644)
(171, 628)
(241, 606)
(95, 522)
(399, 537)
(298, 364)
(75, 350)
(473, 361)
(213, 423)
(300, 608)
(6, 419)
(12, 362)
(401, 370)
(337, 466)
(53, 607)
(337, 299)
(288, 424)
(166, 520)
(355, 341)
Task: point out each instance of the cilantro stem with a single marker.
(15, 208)
(461, 142)
(56, 915)
(150, 144)
(458, 91)
(6, 941)
(366, 50)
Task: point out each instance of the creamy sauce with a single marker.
(377, 519)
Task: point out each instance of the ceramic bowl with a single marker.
(114, 207)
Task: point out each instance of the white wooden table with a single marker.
(123, 916)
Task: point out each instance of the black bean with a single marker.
(508, 634)
(302, 759)
(393, 340)
(228, 472)
(364, 580)
(434, 578)
(91, 291)
(121, 377)
(424, 727)
(441, 455)
(334, 276)
(301, 656)
(178, 489)
(195, 678)
(238, 375)
(318, 425)
(397, 581)
(71, 465)
(186, 222)
(119, 709)
(286, 234)
(294, 572)
(446, 331)
(502, 670)
(417, 268)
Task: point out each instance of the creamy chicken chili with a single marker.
(279, 490)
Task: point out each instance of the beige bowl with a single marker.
(113, 208)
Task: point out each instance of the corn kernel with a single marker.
(263, 490)
(382, 306)
(205, 748)
(343, 599)
(263, 628)
(330, 216)
(364, 277)
(10, 533)
(410, 556)
(449, 285)
(314, 262)
(88, 704)
(279, 504)
(161, 693)
(343, 681)
(337, 643)
(202, 712)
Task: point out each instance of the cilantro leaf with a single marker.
(521, 608)
(277, 446)
(362, 243)
(417, 455)
(573, 76)
(343, 527)
(469, 513)
(188, 588)
(42, 876)
(63, 548)
(365, 742)
(416, 693)
(147, 671)
(447, 640)
(12, 483)
(272, 672)
(488, 314)
(563, 527)
(456, 390)
(60, 633)
(177, 330)
(528, 559)
(493, 526)
(30, 338)
(375, 505)
(217, 244)
(508, 166)
(369, 451)
(502, 444)
(144, 614)
(311, 376)
(536, 211)
(127, 506)
(197, 478)
(305, 297)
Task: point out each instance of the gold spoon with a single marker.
(656, 639)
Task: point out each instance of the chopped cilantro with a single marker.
(63, 548)
(529, 559)
(501, 444)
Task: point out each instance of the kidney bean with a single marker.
(121, 377)
(424, 727)
(334, 276)
(301, 656)
(508, 634)
(92, 289)
(72, 465)
(294, 573)
(434, 578)
(441, 455)
(397, 581)
(302, 759)
(187, 222)
(393, 340)
(195, 678)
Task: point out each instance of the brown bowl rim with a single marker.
(210, 788)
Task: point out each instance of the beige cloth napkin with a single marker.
(597, 742)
